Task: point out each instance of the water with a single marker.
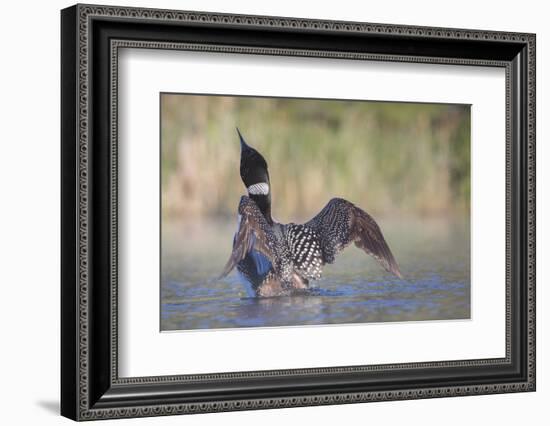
(433, 254)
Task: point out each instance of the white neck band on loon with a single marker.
(258, 189)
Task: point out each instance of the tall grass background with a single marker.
(390, 158)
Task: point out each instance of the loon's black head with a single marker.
(255, 177)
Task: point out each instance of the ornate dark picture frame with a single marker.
(90, 38)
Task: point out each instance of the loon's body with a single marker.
(275, 259)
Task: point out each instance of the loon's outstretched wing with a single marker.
(253, 233)
(340, 223)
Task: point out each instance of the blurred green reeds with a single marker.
(390, 158)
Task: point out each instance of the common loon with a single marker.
(277, 259)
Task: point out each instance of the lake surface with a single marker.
(433, 254)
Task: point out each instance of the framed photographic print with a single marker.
(263, 212)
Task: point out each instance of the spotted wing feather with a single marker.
(305, 250)
(341, 223)
(254, 233)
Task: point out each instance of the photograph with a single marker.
(279, 212)
(265, 209)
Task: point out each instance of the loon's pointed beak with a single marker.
(244, 146)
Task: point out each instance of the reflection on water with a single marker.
(433, 254)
